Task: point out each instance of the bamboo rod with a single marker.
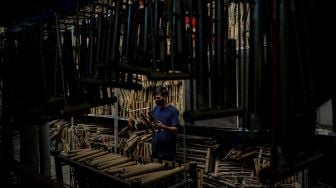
(162, 176)
(146, 168)
(114, 163)
(142, 176)
(122, 169)
(123, 165)
(104, 159)
(84, 154)
(101, 153)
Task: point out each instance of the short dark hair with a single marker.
(161, 90)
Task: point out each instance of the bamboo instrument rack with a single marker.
(127, 171)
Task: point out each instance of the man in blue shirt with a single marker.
(166, 120)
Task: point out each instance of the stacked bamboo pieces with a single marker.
(134, 103)
(137, 145)
(199, 149)
(241, 167)
(69, 137)
(124, 167)
(134, 139)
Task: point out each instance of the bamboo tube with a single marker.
(93, 156)
(129, 144)
(146, 136)
(199, 159)
(108, 161)
(104, 159)
(123, 165)
(162, 175)
(133, 168)
(227, 183)
(143, 176)
(146, 151)
(123, 169)
(78, 151)
(141, 149)
(114, 163)
(247, 154)
(117, 170)
(146, 168)
(84, 154)
(200, 173)
(107, 155)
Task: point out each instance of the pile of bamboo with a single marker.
(290, 182)
(262, 160)
(67, 137)
(219, 181)
(56, 128)
(198, 149)
(98, 140)
(78, 136)
(136, 137)
(231, 174)
(125, 167)
(137, 145)
(241, 168)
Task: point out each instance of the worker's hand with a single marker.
(157, 124)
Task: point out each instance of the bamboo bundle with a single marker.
(143, 147)
(74, 137)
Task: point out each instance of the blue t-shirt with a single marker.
(163, 142)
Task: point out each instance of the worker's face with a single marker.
(159, 100)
